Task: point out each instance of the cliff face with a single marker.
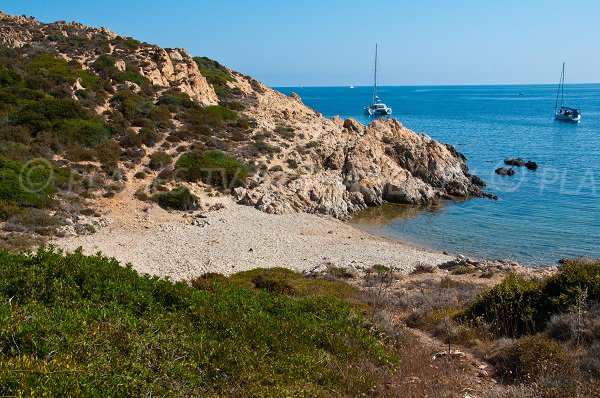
(299, 160)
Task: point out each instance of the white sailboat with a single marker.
(565, 113)
(377, 107)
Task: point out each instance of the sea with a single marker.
(541, 216)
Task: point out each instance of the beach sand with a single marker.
(182, 245)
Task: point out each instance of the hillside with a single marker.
(148, 167)
(107, 111)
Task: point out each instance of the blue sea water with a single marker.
(541, 215)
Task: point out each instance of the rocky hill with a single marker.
(105, 111)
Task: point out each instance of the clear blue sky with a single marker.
(329, 42)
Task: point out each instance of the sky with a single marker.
(332, 43)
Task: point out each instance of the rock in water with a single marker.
(514, 162)
(503, 171)
(531, 165)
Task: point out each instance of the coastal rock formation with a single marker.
(360, 166)
(298, 160)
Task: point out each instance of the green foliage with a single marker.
(28, 185)
(380, 268)
(216, 74)
(511, 307)
(212, 167)
(126, 43)
(8, 77)
(179, 199)
(160, 160)
(38, 117)
(134, 77)
(530, 358)
(265, 148)
(58, 71)
(563, 290)
(518, 306)
(86, 132)
(177, 99)
(130, 104)
(73, 325)
(285, 282)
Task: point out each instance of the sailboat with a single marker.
(377, 107)
(564, 113)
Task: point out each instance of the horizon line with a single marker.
(435, 85)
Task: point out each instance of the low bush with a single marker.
(159, 160)
(518, 306)
(212, 167)
(509, 307)
(292, 163)
(265, 148)
(178, 199)
(76, 325)
(31, 184)
(216, 74)
(33, 221)
(285, 132)
(532, 357)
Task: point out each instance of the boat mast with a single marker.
(375, 78)
(561, 91)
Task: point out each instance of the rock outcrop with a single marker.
(301, 160)
(166, 68)
(360, 166)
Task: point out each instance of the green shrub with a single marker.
(511, 307)
(177, 99)
(212, 167)
(234, 105)
(179, 199)
(518, 306)
(29, 185)
(212, 116)
(126, 43)
(216, 74)
(33, 221)
(285, 132)
(86, 326)
(265, 148)
(86, 132)
(159, 160)
(134, 77)
(530, 358)
(563, 290)
(209, 281)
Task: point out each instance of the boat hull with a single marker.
(378, 112)
(567, 118)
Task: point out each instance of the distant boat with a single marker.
(521, 93)
(377, 107)
(351, 87)
(565, 113)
